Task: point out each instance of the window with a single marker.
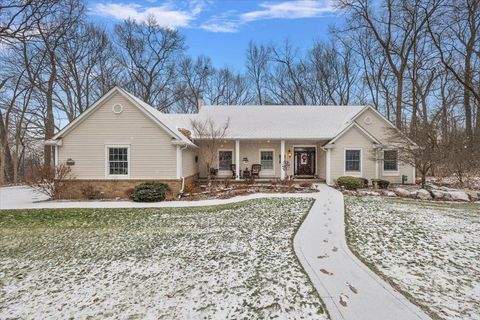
(390, 160)
(225, 160)
(266, 159)
(118, 161)
(352, 160)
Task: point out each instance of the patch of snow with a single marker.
(430, 250)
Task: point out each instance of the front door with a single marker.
(304, 161)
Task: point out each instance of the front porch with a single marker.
(277, 159)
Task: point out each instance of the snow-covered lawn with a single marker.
(430, 251)
(232, 261)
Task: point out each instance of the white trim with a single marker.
(414, 175)
(223, 172)
(352, 173)
(306, 146)
(237, 159)
(267, 172)
(179, 162)
(354, 124)
(282, 159)
(390, 173)
(107, 162)
(56, 155)
(328, 170)
(376, 163)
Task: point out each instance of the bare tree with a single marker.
(258, 57)
(148, 54)
(395, 27)
(210, 135)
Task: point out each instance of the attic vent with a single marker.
(117, 108)
(368, 120)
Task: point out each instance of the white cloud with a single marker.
(289, 10)
(165, 14)
(220, 26)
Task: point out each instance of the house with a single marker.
(121, 141)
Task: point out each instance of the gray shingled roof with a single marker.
(274, 122)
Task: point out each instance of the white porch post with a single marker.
(56, 156)
(328, 169)
(376, 164)
(237, 159)
(282, 159)
(179, 162)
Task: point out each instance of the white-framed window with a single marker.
(390, 161)
(353, 160)
(266, 159)
(225, 159)
(117, 160)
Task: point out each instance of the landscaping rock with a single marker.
(401, 192)
(474, 195)
(459, 195)
(423, 194)
(391, 194)
(441, 195)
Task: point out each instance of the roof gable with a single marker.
(146, 109)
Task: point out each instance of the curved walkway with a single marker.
(349, 289)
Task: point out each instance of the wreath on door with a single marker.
(304, 158)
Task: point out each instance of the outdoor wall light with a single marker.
(245, 160)
(70, 162)
(289, 153)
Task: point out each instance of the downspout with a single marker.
(180, 193)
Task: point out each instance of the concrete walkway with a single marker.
(348, 288)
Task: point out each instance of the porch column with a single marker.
(376, 163)
(179, 162)
(237, 159)
(328, 169)
(282, 159)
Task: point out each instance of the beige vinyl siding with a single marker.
(189, 167)
(381, 130)
(353, 139)
(152, 156)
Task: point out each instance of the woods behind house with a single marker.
(416, 61)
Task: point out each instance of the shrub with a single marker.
(305, 184)
(349, 183)
(383, 184)
(364, 182)
(150, 192)
(50, 180)
(89, 192)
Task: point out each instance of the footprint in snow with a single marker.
(326, 272)
(352, 288)
(326, 224)
(343, 299)
(329, 231)
(323, 256)
(334, 249)
(325, 240)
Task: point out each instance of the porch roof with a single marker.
(274, 122)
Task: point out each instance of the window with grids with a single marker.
(352, 160)
(266, 160)
(390, 160)
(118, 161)
(225, 160)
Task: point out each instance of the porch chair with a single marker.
(256, 168)
(233, 168)
(213, 173)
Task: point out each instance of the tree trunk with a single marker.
(398, 104)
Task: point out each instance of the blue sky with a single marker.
(221, 29)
